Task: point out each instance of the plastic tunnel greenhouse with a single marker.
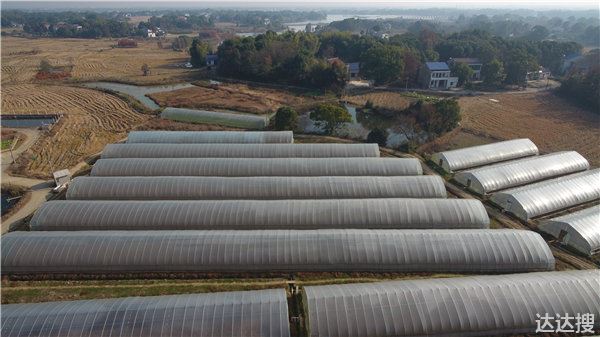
(259, 313)
(351, 250)
(263, 188)
(191, 137)
(579, 230)
(240, 150)
(252, 167)
(480, 155)
(467, 306)
(74, 215)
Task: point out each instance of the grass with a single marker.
(6, 144)
(45, 291)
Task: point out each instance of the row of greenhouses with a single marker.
(514, 177)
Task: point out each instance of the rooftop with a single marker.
(437, 66)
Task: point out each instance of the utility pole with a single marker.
(12, 146)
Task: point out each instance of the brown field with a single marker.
(91, 60)
(386, 100)
(552, 123)
(90, 120)
(228, 96)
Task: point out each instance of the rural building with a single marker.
(549, 196)
(324, 150)
(579, 230)
(257, 188)
(221, 137)
(223, 314)
(540, 74)
(353, 70)
(513, 173)
(62, 177)
(127, 43)
(404, 213)
(473, 156)
(325, 250)
(474, 63)
(436, 75)
(457, 306)
(212, 60)
(257, 167)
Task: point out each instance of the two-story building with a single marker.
(436, 75)
(474, 63)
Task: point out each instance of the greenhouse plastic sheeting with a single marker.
(484, 154)
(520, 172)
(222, 137)
(253, 167)
(259, 313)
(223, 188)
(351, 250)
(240, 150)
(225, 118)
(551, 195)
(581, 230)
(466, 306)
(260, 214)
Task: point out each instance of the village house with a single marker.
(211, 60)
(353, 70)
(474, 63)
(436, 75)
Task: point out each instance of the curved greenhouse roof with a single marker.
(240, 150)
(465, 306)
(105, 252)
(520, 172)
(259, 313)
(253, 167)
(484, 154)
(190, 137)
(223, 188)
(551, 195)
(580, 230)
(259, 214)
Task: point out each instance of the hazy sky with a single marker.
(538, 4)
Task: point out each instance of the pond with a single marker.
(26, 123)
(6, 203)
(362, 123)
(138, 92)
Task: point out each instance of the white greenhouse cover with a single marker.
(581, 229)
(260, 214)
(252, 167)
(522, 171)
(262, 188)
(351, 250)
(191, 137)
(480, 155)
(466, 306)
(259, 313)
(550, 195)
(239, 150)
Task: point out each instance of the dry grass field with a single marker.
(90, 120)
(552, 123)
(386, 100)
(91, 60)
(229, 96)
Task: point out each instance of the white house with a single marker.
(436, 75)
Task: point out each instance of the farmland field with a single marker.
(237, 97)
(552, 123)
(91, 60)
(90, 120)
(386, 100)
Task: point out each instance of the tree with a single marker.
(45, 66)
(330, 116)
(286, 118)
(198, 52)
(493, 73)
(463, 72)
(378, 136)
(538, 33)
(383, 64)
